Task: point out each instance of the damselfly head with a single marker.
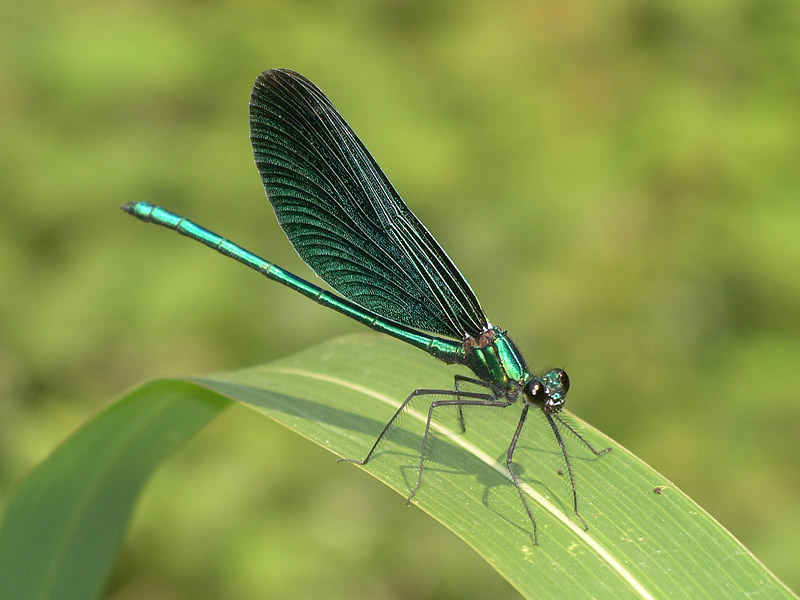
(548, 392)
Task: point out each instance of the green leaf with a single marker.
(63, 526)
(65, 521)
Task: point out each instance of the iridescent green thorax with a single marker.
(498, 362)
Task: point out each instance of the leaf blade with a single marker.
(637, 543)
(65, 521)
(340, 394)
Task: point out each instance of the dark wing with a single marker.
(343, 216)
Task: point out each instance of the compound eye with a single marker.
(535, 392)
(563, 379)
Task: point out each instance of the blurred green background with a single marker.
(618, 181)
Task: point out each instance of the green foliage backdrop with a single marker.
(618, 182)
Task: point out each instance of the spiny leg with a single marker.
(509, 459)
(581, 438)
(487, 400)
(403, 406)
(560, 441)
